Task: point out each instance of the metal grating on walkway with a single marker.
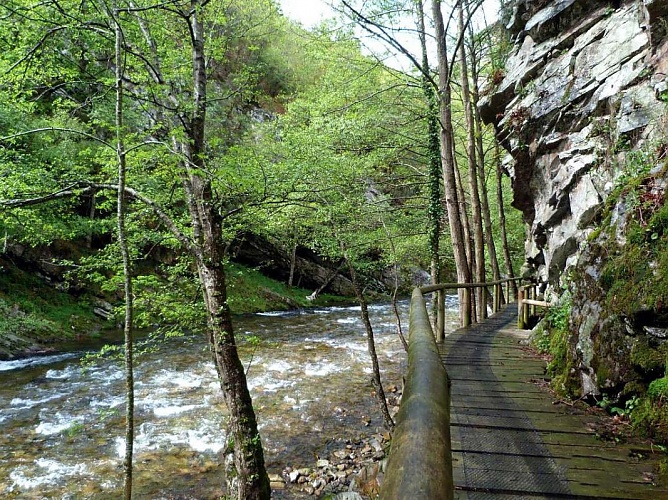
(510, 441)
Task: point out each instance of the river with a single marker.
(62, 425)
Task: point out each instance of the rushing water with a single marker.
(62, 425)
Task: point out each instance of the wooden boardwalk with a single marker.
(508, 438)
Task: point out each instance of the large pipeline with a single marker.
(420, 462)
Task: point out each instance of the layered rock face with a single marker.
(584, 92)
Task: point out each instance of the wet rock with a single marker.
(294, 475)
(276, 482)
(660, 333)
(322, 463)
(348, 495)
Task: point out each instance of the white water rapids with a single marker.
(62, 426)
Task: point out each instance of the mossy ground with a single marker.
(34, 314)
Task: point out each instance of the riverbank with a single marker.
(354, 465)
(309, 377)
(38, 318)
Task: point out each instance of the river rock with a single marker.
(373, 442)
(348, 495)
(294, 475)
(276, 482)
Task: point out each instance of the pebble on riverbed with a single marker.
(357, 466)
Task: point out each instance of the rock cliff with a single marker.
(581, 109)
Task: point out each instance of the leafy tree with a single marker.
(168, 123)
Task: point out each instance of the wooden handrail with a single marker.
(455, 286)
(466, 320)
(526, 305)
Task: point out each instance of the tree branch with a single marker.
(59, 129)
(80, 188)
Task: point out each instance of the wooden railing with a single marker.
(419, 466)
(527, 303)
(498, 297)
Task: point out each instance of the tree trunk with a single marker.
(293, 263)
(448, 164)
(330, 277)
(502, 218)
(125, 255)
(468, 240)
(395, 291)
(251, 481)
(482, 177)
(434, 209)
(371, 343)
(478, 263)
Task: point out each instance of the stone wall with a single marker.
(584, 90)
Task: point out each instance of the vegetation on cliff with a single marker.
(624, 268)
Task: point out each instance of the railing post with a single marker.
(483, 302)
(440, 315)
(533, 296)
(466, 310)
(525, 309)
(520, 308)
(498, 295)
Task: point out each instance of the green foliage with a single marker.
(635, 275)
(658, 390)
(552, 339)
(629, 406)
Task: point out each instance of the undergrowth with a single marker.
(551, 338)
(34, 313)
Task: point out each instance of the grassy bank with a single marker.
(35, 316)
(250, 291)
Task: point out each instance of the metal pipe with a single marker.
(420, 463)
